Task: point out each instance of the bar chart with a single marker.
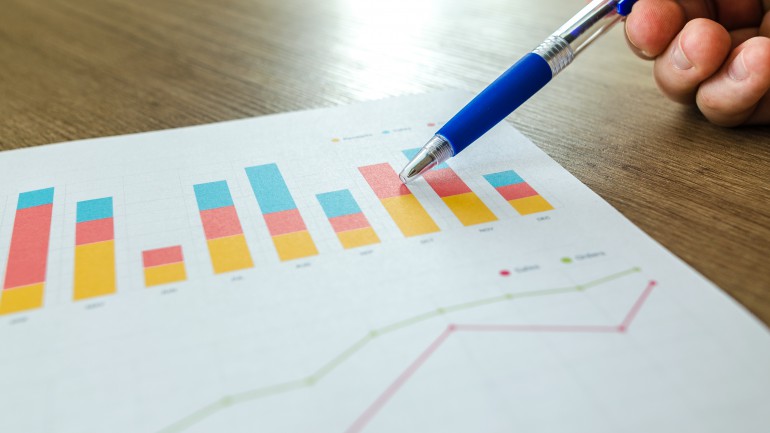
(348, 221)
(222, 227)
(28, 255)
(284, 222)
(404, 208)
(163, 266)
(464, 203)
(95, 268)
(517, 192)
(94, 249)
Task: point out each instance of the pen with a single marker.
(517, 84)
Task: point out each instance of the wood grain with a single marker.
(74, 69)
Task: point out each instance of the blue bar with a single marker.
(213, 195)
(338, 203)
(95, 209)
(411, 153)
(35, 198)
(504, 178)
(270, 189)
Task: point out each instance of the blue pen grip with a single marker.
(491, 106)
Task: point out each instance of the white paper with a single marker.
(411, 334)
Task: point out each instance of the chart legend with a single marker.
(518, 193)
(347, 219)
(28, 256)
(464, 203)
(284, 222)
(94, 249)
(224, 235)
(403, 207)
(163, 266)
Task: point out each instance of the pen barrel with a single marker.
(592, 21)
(532, 72)
(497, 101)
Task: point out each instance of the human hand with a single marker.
(713, 53)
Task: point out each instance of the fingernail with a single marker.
(678, 58)
(737, 70)
(636, 47)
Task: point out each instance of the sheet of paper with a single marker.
(272, 275)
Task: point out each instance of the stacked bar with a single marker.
(286, 226)
(347, 220)
(94, 249)
(463, 202)
(403, 207)
(518, 193)
(28, 255)
(224, 235)
(163, 266)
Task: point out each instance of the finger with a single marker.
(652, 25)
(736, 14)
(696, 54)
(732, 96)
(764, 29)
(698, 9)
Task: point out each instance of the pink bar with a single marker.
(349, 222)
(162, 256)
(517, 190)
(445, 182)
(28, 254)
(281, 223)
(384, 181)
(221, 222)
(94, 231)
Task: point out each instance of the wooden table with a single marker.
(72, 69)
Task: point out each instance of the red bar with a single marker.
(384, 181)
(287, 221)
(349, 222)
(221, 222)
(162, 256)
(445, 182)
(28, 254)
(517, 190)
(94, 231)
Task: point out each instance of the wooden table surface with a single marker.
(73, 69)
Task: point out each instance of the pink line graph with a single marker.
(363, 420)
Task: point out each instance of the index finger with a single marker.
(652, 25)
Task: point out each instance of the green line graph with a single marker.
(318, 375)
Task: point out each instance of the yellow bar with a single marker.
(294, 245)
(409, 215)
(529, 205)
(358, 237)
(94, 270)
(229, 253)
(164, 274)
(21, 298)
(469, 209)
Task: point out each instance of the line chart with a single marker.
(319, 374)
(363, 420)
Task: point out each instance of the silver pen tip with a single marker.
(436, 151)
(417, 166)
